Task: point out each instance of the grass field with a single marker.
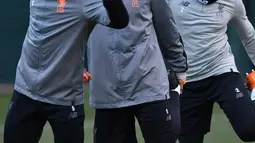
(221, 131)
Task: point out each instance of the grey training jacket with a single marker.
(203, 29)
(51, 65)
(127, 65)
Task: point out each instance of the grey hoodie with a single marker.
(127, 65)
(203, 29)
(50, 68)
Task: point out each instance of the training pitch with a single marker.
(221, 131)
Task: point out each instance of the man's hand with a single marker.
(176, 81)
(182, 80)
(86, 77)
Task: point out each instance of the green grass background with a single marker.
(221, 131)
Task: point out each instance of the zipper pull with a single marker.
(73, 108)
(167, 111)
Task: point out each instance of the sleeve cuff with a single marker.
(181, 76)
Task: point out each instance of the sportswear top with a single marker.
(203, 30)
(51, 66)
(127, 64)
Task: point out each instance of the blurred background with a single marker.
(14, 23)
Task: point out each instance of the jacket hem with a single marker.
(211, 74)
(126, 103)
(46, 100)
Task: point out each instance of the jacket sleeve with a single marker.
(245, 29)
(168, 36)
(111, 13)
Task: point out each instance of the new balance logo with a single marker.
(168, 118)
(73, 115)
(221, 10)
(239, 94)
(185, 3)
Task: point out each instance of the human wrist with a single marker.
(181, 76)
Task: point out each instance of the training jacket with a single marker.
(51, 66)
(127, 65)
(203, 30)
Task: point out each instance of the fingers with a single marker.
(182, 81)
(89, 75)
(181, 88)
(86, 77)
